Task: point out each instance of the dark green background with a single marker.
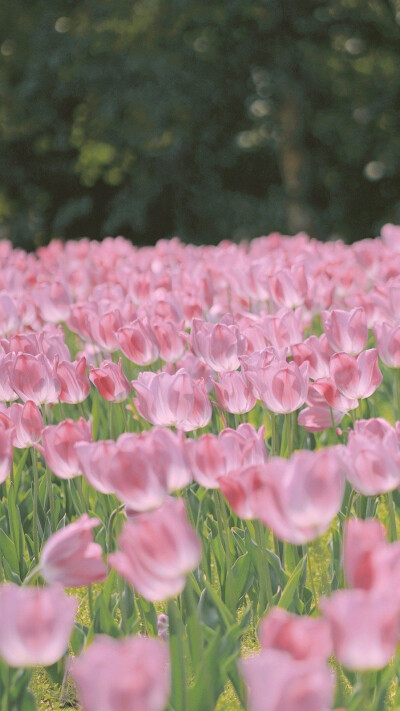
(205, 119)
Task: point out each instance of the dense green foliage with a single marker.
(210, 120)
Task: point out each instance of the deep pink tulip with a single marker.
(346, 331)
(324, 392)
(170, 340)
(365, 627)
(356, 378)
(177, 400)
(28, 423)
(217, 345)
(34, 378)
(211, 457)
(158, 549)
(388, 341)
(35, 624)
(130, 674)
(59, 446)
(110, 381)
(317, 352)
(75, 386)
(276, 681)
(373, 463)
(71, 557)
(96, 463)
(234, 393)
(6, 450)
(138, 342)
(282, 387)
(300, 636)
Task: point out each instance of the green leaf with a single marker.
(9, 551)
(238, 580)
(292, 585)
(176, 631)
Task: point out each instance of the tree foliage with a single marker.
(210, 120)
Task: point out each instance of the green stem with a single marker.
(122, 604)
(5, 704)
(265, 582)
(288, 419)
(273, 434)
(392, 517)
(50, 492)
(35, 505)
(311, 576)
(90, 600)
(223, 529)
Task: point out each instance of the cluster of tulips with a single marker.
(206, 440)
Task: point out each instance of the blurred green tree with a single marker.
(150, 118)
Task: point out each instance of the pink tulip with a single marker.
(373, 463)
(96, 463)
(296, 498)
(28, 423)
(137, 475)
(317, 352)
(388, 342)
(35, 624)
(282, 387)
(75, 386)
(34, 378)
(6, 450)
(59, 446)
(211, 457)
(52, 301)
(275, 682)
(369, 562)
(177, 400)
(242, 487)
(110, 381)
(51, 342)
(300, 636)
(317, 418)
(324, 392)
(365, 627)
(169, 455)
(233, 392)
(158, 549)
(70, 556)
(346, 331)
(356, 378)
(283, 329)
(9, 318)
(219, 346)
(7, 394)
(138, 342)
(288, 287)
(103, 329)
(130, 674)
(170, 340)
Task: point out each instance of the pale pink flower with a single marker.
(35, 624)
(138, 342)
(288, 287)
(96, 463)
(9, 318)
(300, 636)
(75, 386)
(373, 463)
(356, 378)
(217, 345)
(170, 340)
(52, 301)
(282, 387)
(158, 550)
(388, 341)
(283, 329)
(71, 557)
(317, 352)
(165, 400)
(34, 378)
(6, 449)
(234, 393)
(346, 331)
(123, 675)
(59, 446)
(28, 423)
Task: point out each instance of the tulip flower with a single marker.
(123, 675)
(6, 450)
(170, 340)
(177, 400)
(234, 393)
(346, 331)
(110, 381)
(300, 636)
(138, 342)
(70, 556)
(388, 342)
(356, 378)
(28, 423)
(282, 387)
(75, 386)
(34, 378)
(219, 346)
(35, 624)
(158, 549)
(317, 352)
(59, 446)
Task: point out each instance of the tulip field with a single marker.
(199, 475)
